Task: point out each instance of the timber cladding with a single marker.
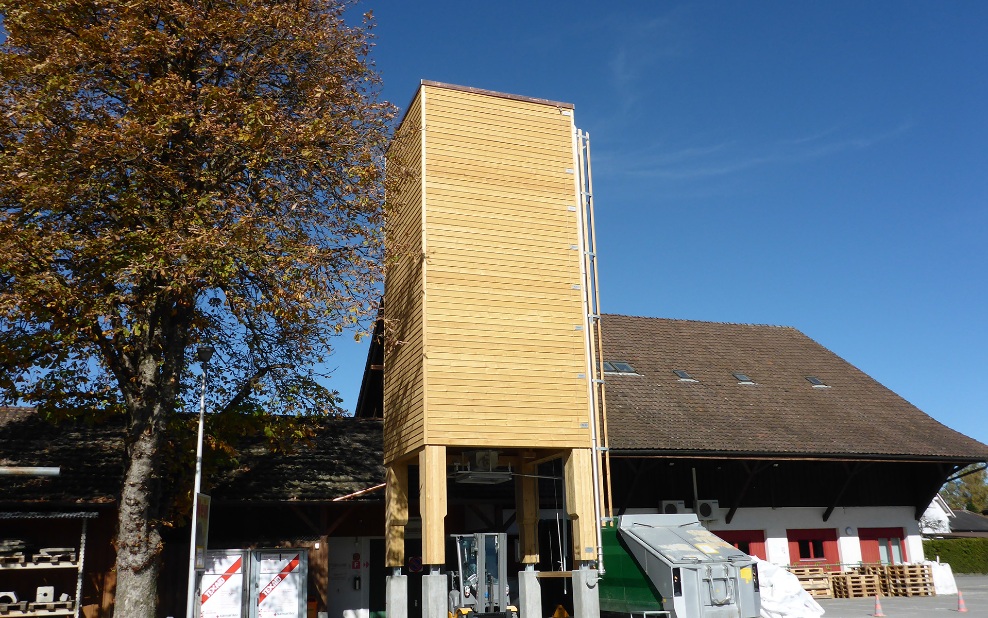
(403, 290)
(491, 322)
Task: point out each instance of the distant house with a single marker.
(941, 521)
(801, 457)
(967, 524)
(936, 519)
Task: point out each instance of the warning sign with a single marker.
(222, 585)
(279, 584)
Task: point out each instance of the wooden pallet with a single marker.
(51, 606)
(53, 558)
(6, 608)
(855, 585)
(910, 580)
(799, 571)
(16, 558)
(814, 580)
(902, 580)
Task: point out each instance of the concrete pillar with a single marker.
(529, 594)
(586, 598)
(434, 596)
(396, 592)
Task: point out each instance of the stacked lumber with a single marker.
(855, 585)
(814, 580)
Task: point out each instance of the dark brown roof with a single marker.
(344, 456)
(780, 414)
(90, 458)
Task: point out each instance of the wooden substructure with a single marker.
(435, 464)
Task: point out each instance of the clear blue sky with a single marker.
(822, 165)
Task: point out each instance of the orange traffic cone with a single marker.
(960, 602)
(878, 607)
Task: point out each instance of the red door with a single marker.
(814, 547)
(751, 542)
(882, 545)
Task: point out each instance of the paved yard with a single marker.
(973, 587)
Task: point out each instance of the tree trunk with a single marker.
(138, 537)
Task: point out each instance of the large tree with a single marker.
(176, 172)
(968, 489)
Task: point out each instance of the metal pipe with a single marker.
(29, 471)
(204, 353)
(585, 235)
(604, 438)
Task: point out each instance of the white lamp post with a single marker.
(203, 354)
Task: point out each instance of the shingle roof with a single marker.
(781, 413)
(90, 458)
(343, 456)
(966, 521)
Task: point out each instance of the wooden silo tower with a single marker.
(489, 302)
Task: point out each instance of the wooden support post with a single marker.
(579, 504)
(527, 513)
(432, 503)
(396, 513)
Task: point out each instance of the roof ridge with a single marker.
(694, 321)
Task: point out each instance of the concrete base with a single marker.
(529, 595)
(396, 591)
(586, 599)
(434, 594)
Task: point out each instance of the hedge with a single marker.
(963, 555)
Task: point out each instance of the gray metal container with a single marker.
(698, 574)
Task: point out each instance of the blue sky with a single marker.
(822, 165)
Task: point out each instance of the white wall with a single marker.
(845, 520)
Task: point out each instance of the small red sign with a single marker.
(415, 564)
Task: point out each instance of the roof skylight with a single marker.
(817, 382)
(743, 378)
(618, 367)
(683, 375)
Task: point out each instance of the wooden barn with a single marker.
(799, 457)
(497, 398)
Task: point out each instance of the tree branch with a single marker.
(248, 385)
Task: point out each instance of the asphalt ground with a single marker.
(973, 587)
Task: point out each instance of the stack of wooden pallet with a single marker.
(909, 580)
(814, 580)
(902, 580)
(853, 585)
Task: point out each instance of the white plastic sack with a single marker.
(781, 594)
(943, 578)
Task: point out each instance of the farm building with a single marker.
(497, 398)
